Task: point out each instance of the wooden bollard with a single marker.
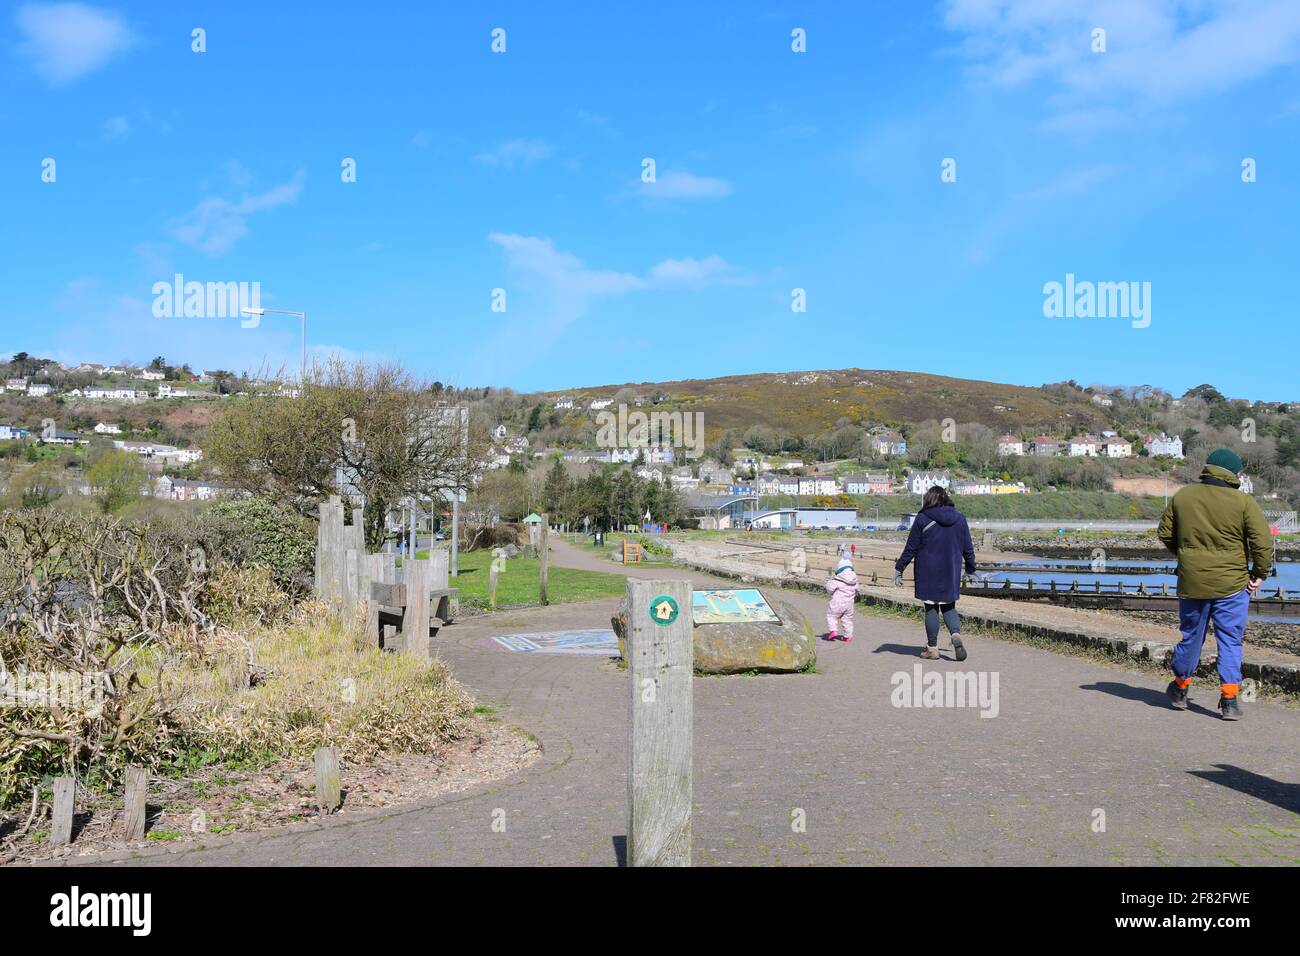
(137, 792)
(494, 578)
(415, 617)
(660, 664)
(329, 790)
(545, 555)
(65, 800)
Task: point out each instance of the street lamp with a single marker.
(302, 315)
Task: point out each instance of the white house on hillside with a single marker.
(1010, 444)
(919, 482)
(1162, 444)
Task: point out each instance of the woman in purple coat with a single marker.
(940, 544)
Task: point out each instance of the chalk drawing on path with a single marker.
(595, 642)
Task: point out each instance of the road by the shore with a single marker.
(877, 784)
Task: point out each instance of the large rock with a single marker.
(737, 648)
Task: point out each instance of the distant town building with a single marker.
(819, 485)
(889, 444)
(1044, 445)
(110, 393)
(1116, 447)
(1102, 400)
(40, 389)
(867, 485)
(564, 402)
(1010, 444)
(1162, 444)
(107, 428)
(16, 385)
(1085, 446)
(919, 482)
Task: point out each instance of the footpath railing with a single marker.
(1117, 594)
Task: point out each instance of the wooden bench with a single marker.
(390, 616)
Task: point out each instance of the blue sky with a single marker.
(775, 170)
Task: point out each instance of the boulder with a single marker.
(736, 648)
(511, 551)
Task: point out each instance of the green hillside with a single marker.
(810, 402)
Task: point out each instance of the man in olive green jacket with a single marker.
(1224, 551)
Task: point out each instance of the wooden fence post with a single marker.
(660, 663)
(65, 799)
(415, 620)
(329, 790)
(543, 532)
(329, 551)
(494, 578)
(137, 793)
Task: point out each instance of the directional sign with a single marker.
(663, 610)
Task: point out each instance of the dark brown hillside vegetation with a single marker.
(808, 402)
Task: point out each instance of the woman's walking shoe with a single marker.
(1177, 695)
(832, 636)
(930, 653)
(958, 648)
(1229, 708)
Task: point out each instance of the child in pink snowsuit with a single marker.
(843, 589)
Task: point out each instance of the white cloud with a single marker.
(65, 41)
(119, 127)
(558, 288)
(217, 223)
(692, 271)
(1162, 50)
(679, 184)
(516, 152)
(1075, 182)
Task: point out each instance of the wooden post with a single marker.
(137, 792)
(415, 618)
(439, 567)
(543, 531)
(494, 578)
(372, 571)
(351, 578)
(65, 799)
(660, 663)
(329, 791)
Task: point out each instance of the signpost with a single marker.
(660, 664)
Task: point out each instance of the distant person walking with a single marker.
(1221, 540)
(843, 589)
(940, 543)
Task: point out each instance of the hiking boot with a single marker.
(1177, 695)
(845, 638)
(930, 653)
(1230, 708)
(958, 648)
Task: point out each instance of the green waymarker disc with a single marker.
(663, 610)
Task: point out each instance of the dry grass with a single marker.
(315, 684)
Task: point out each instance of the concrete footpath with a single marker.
(1073, 739)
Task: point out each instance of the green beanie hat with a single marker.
(1225, 458)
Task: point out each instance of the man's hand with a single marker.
(898, 579)
(1254, 586)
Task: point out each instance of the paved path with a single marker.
(877, 784)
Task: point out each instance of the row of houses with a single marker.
(1106, 445)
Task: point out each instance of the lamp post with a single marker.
(302, 315)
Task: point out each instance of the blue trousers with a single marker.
(1229, 617)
